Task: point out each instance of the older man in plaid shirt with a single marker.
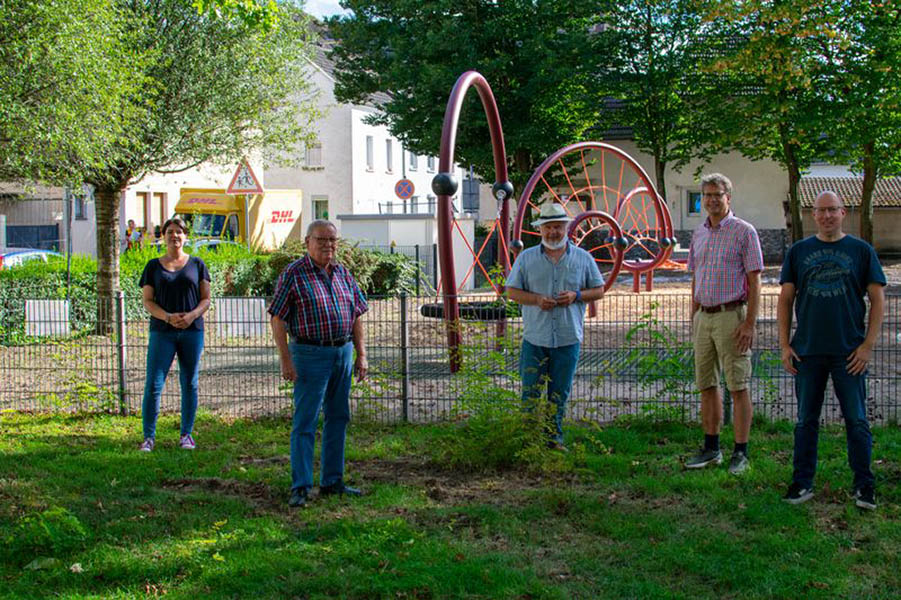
(725, 261)
(318, 305)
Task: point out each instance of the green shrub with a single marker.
(53, 532)
(495, 431)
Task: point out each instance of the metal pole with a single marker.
(68, 210)
(120, 343)
(418, 270)
(404, 359)
(435, 266)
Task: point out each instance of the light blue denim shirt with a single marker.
(534, 272)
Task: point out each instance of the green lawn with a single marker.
(621, 518)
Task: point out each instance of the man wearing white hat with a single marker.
(552, 282)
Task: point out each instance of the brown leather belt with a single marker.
(721, 307)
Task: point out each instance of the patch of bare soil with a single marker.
(449, 487)
(260, 495)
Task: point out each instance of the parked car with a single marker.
(13, 257)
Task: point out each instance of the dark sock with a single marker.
(711, 442)
(743, 448)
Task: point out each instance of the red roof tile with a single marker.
(887, 192)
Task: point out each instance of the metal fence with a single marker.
(58, 355)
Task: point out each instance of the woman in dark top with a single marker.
(176, 294)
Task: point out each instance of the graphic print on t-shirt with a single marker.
(827, 271)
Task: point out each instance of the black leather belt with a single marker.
(721, 307)
(335, 342)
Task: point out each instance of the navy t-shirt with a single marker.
(830, 279)
(175, 292)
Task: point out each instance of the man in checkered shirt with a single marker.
(317, 304)
(725, 261)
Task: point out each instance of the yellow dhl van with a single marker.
(266, 219)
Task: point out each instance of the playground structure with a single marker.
(618, 217)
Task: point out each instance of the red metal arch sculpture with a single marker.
(445, 185)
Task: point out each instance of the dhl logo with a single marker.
(283, 216)
(212, 201)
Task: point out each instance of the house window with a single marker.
(143, 208)
(389, 156)
(320, 207)
(79, 208)
(694, 203)
(313, 156)
(414, 161)
(430, 164)
(370, 160)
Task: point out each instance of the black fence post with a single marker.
(727, 407)
(435, 266)
(418, 270)
(120, 346)
(404, 359)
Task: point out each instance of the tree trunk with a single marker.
(660, 177)
(794, 202)
(107, 209)
(866, 194)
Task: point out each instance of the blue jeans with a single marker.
(851, 390)
(554, 367)
(323, 382)
(162, 348)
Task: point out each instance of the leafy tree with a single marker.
(862, 75)
(656, 47)
(542, 59)
(768, 105)
(216, 88)
(64, 75)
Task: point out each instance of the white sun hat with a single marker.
(551, 211)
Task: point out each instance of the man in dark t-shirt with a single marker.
(825, 277)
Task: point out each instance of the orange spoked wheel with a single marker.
(601, 236)
(583, 177)
(647, 229)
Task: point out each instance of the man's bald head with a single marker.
(828, 197)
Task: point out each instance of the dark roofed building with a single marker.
(886, 207)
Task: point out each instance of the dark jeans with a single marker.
(553, 368)
(851, 390)
(162, 348)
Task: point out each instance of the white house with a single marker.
(354, 166)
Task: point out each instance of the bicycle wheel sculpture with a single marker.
(594, 176)
(601, 236)
(617, 215)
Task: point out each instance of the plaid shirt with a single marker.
(721, 257)
(316, 305)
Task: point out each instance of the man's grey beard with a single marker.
(554, 245)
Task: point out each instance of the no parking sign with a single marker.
(404, 189)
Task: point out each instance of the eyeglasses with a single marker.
(832, 210)
(326, 240)
(713, 194)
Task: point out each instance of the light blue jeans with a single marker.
(187, 344)
(553, 367)
(323, 382)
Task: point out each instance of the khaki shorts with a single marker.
(715, 350)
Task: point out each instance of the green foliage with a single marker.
(65, 74)
(540, 58)
(494, 430)
(377, 273)
(654, 53)
(53, 532)
(663, 365)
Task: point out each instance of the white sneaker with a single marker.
(186, 442)
(146, 445)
